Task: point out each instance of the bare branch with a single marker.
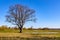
(19, 14)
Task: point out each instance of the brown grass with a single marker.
(15, 35)
(24, 35)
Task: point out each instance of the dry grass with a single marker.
(14, 35)
(25, 35)
(30, 33)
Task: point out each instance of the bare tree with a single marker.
(19, 14)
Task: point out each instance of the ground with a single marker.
(12, 34)
(30, 33)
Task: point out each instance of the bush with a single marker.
(3, 27)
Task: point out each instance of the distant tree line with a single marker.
(4, 27)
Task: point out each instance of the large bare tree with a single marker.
(19, 14)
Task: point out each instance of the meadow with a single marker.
(38, 33)
(29, 34)
(11, 34)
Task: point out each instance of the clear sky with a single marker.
(47, 12)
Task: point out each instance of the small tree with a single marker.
(19, 14)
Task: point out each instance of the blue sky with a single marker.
(47, 12)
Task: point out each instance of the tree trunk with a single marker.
(21, 29)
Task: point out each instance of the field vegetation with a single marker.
(29, 33)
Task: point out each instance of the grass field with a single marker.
(47, 33)
(39, 34)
